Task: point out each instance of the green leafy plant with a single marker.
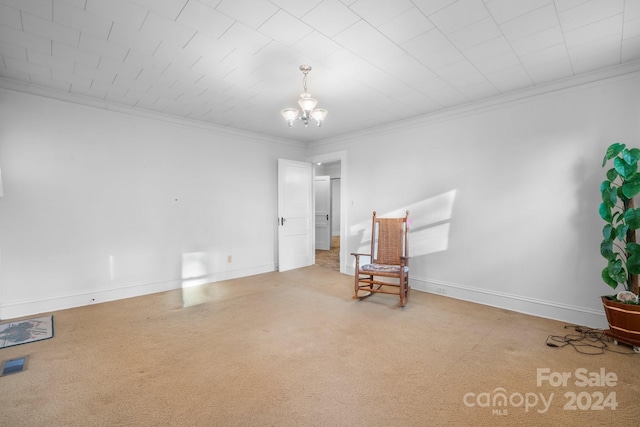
(621, 218)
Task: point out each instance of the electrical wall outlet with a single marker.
(441, 290)
(229, 259)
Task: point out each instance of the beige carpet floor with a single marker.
(293, 349)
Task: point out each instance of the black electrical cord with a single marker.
(586, 341)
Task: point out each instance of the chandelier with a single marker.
(307, 104)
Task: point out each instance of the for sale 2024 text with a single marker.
(592, 397)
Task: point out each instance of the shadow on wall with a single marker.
(429, 222)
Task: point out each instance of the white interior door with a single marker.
(295, 215)
(323, 212)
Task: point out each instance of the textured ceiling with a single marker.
(235, 62)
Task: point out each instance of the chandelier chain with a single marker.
(304, 81)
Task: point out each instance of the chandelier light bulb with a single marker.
(319, 115)
(307, 103)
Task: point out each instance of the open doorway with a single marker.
(327, 193)
(338, 160)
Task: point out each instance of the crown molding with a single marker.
(617, 73)
(20, 87)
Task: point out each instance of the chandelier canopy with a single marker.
(307, 105)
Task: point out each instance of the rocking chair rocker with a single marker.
(389, 260)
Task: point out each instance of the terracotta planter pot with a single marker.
(624, 322)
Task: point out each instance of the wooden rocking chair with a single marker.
(389, 260)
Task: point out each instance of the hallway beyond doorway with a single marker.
(331, 258)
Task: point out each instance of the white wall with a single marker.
(101, 205)
(504, 196)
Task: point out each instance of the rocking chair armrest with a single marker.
(359, 255)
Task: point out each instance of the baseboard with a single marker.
(12, 310)
(541, 308)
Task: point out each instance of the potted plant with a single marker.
(619, 244)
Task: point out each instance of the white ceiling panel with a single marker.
(17, 38)
(530, 23)
(167, 8)
(315, 46)
(544, 56)
(462, 74)
(202, 45)
(595, 62)
(630, 49)
(50, 83)
(441, 92)
(242, 37)
(406, 26)
(13, 51)
(178, 72)
(551, 71)
(121, 11)
(443, 58)
(590, 12)
(425, 46)
(506, 10)
(377, 12)
(541, 40)
(144, 41)
(250, 12)
(41, 8)
(590, 33)
(631, 29)
(475, 34)
(487, 50)
(478, 91)
(143, 61)
(497, 63)
(220, 60)
(429, 7)
(121, 69)
(87, 22)
(365, 41)
(48, 29)
(71, 79)
(80, 4)
(459, 15)
(212, 69)
(167, 53)
(330, 17)
(608, 46)
(103, 48)
(562, 5)
(98, 75)
(296, 7)
(285, 28)
(407, 69)
(50, 61)
(161, 28)
(31, 68)
(510, 79)
(10, 17)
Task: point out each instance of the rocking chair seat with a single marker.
(380, 269)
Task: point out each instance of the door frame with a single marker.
(340, 156)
